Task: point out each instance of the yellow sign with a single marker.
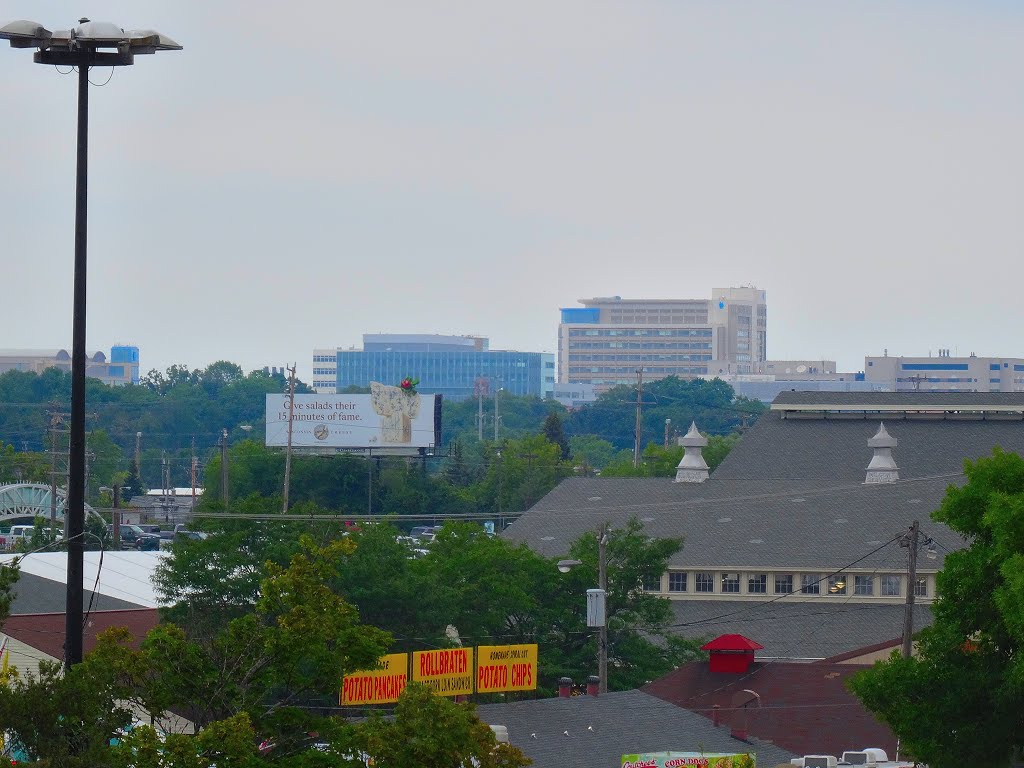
(376, 686)
(506, 668)
(448, 672)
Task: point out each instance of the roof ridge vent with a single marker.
(692, 468)
(882, 468)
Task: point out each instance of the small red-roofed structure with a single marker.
(732, 653)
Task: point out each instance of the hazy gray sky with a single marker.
(306, 172)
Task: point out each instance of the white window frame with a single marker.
(886, 583)
(859, 585)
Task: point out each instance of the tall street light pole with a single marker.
(90, 44)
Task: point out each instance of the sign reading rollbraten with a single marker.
(376, 686)
(387, 418)
(501, 668)
(448, 672)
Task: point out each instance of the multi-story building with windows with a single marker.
(945, 373)
(812, 513)
(604, 342)
(121, 368)
(325, 370)
(454, 366)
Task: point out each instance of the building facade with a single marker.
(604, 342)
(453, 366)
(122, 367)
(946, 373)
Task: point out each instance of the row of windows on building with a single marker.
(865, 585)
(681, 332)
(596, 358)
(660, 319)
(682, 370)
(642, 345)
(325, 358)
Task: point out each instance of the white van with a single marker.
(20, 533)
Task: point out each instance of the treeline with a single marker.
(174, 416)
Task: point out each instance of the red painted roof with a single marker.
(732, 643)
(800, 704)
(45, 631)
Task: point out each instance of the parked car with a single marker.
(133, 537)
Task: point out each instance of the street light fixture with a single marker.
(90, 44)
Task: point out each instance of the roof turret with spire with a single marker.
(882, 468)
(692, 467)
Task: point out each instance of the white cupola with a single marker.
(692, 467)
(882, 468)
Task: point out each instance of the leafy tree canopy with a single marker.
(958, 701)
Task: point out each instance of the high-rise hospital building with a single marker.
(607, 340)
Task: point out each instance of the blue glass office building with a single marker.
(447, 365)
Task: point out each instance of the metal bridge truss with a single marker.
(27, 501)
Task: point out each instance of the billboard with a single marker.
(376, 686)
(501, 668)
(388, 418)
(688, 760)
(448, 672)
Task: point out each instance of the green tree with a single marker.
(67, 717)
(8, 578)
(431, 731)
(711, 403)
(641, 646)
(554, 433)
(958, 701)
(23, 466)
(590, 451)
(287, 652)
(658, 461)
(520, 472)
(105, 462)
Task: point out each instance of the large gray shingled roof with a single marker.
(34, 594)
(793, 450)
(585, 731)
(743, 524)
(910, 400)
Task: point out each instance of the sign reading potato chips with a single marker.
(502, 668)
(448, 672)
(376, 686)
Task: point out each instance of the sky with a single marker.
(304, 173)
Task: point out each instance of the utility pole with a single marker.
(369, 481)
(224, 467)
(115, 517)
(497, 418)
(138, 455)
(480, 386)
(288, 450)
(639, 415)
(194, 466)
(602, 584)
(55, 420)
(668, 426)
(910, 540)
